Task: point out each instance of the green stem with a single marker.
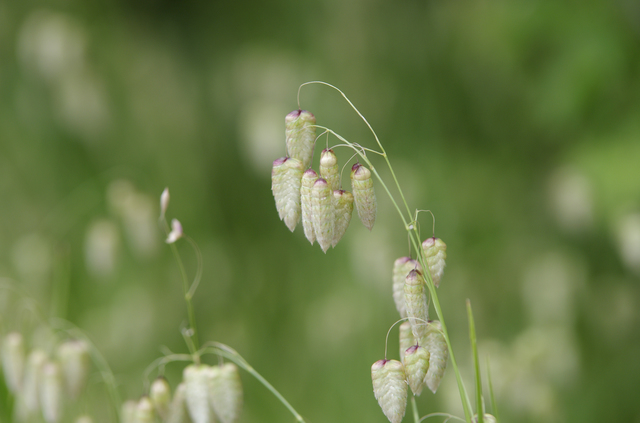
(414, 407)
(476, 362)
(187, 298)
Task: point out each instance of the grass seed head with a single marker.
(29, 401)
(144, 411)
(160, 394)
(343, 207)
(406, 338)
(164, 202)
(308, 179)
(364, 194)
(128, 411)
(401, 268)
(13, 357)
(416, 303)
(51, 387)
(416, 364)
(286, 178)
(435, 251)
(178, 409)
(73, 356)
(225, 392)
(439, 353)
(176, 232)
(322, 213)
(300, 134)
(488, 418)
(196, 379)
(390, 388)
(329, 169)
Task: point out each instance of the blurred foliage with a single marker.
(516, 122)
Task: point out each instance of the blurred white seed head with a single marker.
(101, 246)
(286, 179)
(144, 411)
(322, 213)
(225, 392)
(176, 231)
(329, 169)
(401, 269)
(309, 177)
(364, 194)
(29, 398)
(13, 357)
(128, 411)
(160, 394)
(300, 134)
(435, 251)
(416, 364)
(390, 388)
(416, 303)
(343, 205)
(488, 418)
(406, 338)
(84, 419)
(439, 353)
(196, 380)
(164, 202)
(51, 387)
(74, 358)
(178, 409)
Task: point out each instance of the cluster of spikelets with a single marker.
(42, 382)
(207, 394)
(423, 349)
(316, 197)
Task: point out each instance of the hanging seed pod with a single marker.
(51, 387)
(286, 177)
(225, 392)
(322, 214)
(160, 394)
(29, 396)
(488, 418)
(390, 388)
(13, 357)
(416, 303)
(74, 358)
(406, 339)
(329, 169)
(144, 411)
(343, 208)
(437, 346)
(300, 135)
(401, 269)
(435, 251)
(416, 364)
(196, 379)
(178, 410)
(128, 411)
(363, 194)
(308, 178)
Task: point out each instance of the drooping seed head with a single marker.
(406, 339)
(51, 387)
(343, 207)
(286, 177)
(73, 356)
(329, 169)
(439, 353)
(225, 392)
(435, 250)
(401, 268)
(144, 411)
(300, 133)
(488, 418)
(416, 303)
(30, 395)
(308, 179)
(160, 394)
(176, 232)
(128, 411)
(178, 408)
(364, 194)
(390, 388)
(13, 357)
(416, 364)
(196, 379)
(84, 418)
(164, 202)
(322, 213)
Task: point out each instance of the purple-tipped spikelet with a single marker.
(225, 392)
(300, 132)
(435, 251)
(178, 410)
(401, 268)
(322, 213)
(286, 178)
(390, 388)
(160, 394)
(363, 194)
(416, 303)
(343, 204)
(196, 379)
(51, 392)
(439, 353)
(406, 338)
(329, 169)
(416, 364)
(144, 411)
(13, 357)
(73, 356)
(308, 178)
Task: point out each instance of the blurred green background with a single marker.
(516, 122)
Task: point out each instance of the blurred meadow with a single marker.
(516, 122)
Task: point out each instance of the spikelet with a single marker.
(406, 338)
(437, 346)
(29, 401)
(488, 418)
(390, 388)
(300, 135)
(322, 213)
(401, 268)
(85, 418)
(343, 208)
(177, 409)
(363, 194)
(329, 169)
(286, 177)
(196, 379)
(416, 303)
(416, 364)
(13, 357)
(436, 252)
(308, 178)
(73, 356)
(160, 394)
(51, 387)
(144, 411)
(128, 411)
(225, 392)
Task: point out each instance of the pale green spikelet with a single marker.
(488, 418)
(343, 205)
(160, 394)
(144, 411)
(196, 379)
(322, 213)
(178, 409)
(329, 169)
(28, 399)
(286, 178)
(308, 178)
(435, 251)
(390, 388)
(406, 339)
(363, 194)
(416, 303)
(85, 418)
(300, 132)
(128, 411)
(416, 364)
(225, 392)
(51, 387)
(401, 268)
(13, 358)
(434, 341)
(74, 358)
